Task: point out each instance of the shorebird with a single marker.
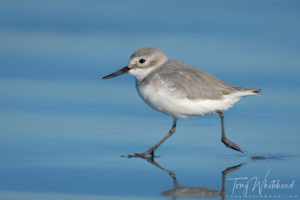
(179, 90)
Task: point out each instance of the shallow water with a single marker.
(64, 130)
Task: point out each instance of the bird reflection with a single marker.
(183, 192)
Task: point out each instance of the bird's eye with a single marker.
(142, 60)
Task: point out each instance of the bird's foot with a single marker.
(147, 154)
(231, 145)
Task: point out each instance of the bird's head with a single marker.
(141, 63)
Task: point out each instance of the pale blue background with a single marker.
(63, 128)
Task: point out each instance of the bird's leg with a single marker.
(152, 149)
(224, 139)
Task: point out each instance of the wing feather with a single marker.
(192, 82)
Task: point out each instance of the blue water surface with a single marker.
(64, 130)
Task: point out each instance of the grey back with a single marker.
(194, 83)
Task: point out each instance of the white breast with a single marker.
(171, 102)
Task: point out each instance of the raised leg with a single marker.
(152, 149)
(224, 139)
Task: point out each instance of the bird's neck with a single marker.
(141, 74)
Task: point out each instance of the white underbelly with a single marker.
(170, 102)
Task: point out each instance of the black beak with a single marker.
(117, 73)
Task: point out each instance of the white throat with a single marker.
(141, 73)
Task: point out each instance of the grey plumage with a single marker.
(179, 90)
(192, 82)
(146, 52)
